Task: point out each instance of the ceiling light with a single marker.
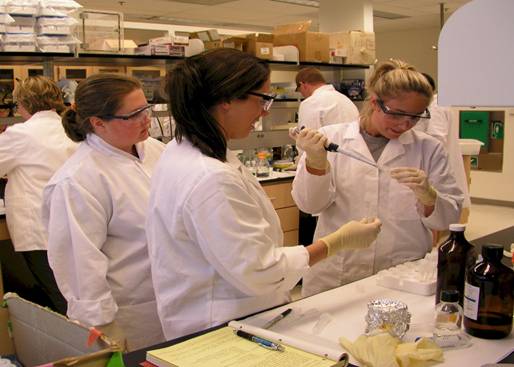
(203, 2)
(311, 3)
(387, 15)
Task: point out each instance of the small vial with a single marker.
(263, 167)
(448, 321)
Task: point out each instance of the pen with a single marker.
(262, 342)
(276, 319)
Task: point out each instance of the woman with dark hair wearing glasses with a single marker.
(406, 181)
(215, 241)
(94, 209)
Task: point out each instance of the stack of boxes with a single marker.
(164, 46)
(353, 47)
(44, 25)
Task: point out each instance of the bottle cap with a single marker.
(450, 295)
(492, 252)
(457, 227)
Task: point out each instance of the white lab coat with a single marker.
(94, 209)
(30, 153)
(215, 242)
(353, 190)
(326, 106)
(445, 128)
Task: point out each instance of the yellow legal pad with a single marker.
(222, 348)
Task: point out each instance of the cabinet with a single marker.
(280, 196)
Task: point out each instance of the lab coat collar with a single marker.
(98, 143)
(324, 88)
(396, 148)
(353, 141)
(44, 117)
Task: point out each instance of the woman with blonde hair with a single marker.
(30, 153)
(406, 181)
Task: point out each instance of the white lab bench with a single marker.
(346, 306)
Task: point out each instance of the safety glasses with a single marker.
(413, 118)
(267, 99)
(138, 114)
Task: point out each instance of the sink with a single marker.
(470, 146)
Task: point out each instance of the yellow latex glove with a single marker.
(384, 350)
(115, 333)
(313, 143)
(416, 180)
(373, 351)
(419, 354)
(353, 235)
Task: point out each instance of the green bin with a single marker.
(475, 125)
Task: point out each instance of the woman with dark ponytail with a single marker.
(94, 211)
(214, 239)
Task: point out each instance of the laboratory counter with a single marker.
(345, 309)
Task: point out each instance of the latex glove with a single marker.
(313, 143)
(115, 333)
(373, 351)
(353, 235)
(419, 354)
(416, 180)
(384, 350)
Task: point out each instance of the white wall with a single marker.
(413, 46)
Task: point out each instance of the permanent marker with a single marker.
(262, 342)
(276, 319)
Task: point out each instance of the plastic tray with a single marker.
(418, 277)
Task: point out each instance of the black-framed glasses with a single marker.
(141, 112)
(267, 99)
(413, 118)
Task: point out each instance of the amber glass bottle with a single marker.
(454, 256)
(489, 296)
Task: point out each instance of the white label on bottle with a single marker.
(471, 297)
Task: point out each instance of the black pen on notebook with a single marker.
(262, 342)
(276, 319)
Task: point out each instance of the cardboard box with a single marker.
(41, 336)
(239, 43)
(212, 44)
(163, 50)
(359, 46)
(490, 162)
(111, 45)
(260, 45)
(313, 46)
(206, 36)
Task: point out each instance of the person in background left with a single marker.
(30, 153)
(94, 209)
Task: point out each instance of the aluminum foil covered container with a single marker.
(387, 315)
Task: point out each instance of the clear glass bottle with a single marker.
(263, 167)
(448, 321)
(454, 256)
(489, 296)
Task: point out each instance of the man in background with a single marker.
(323, 104)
